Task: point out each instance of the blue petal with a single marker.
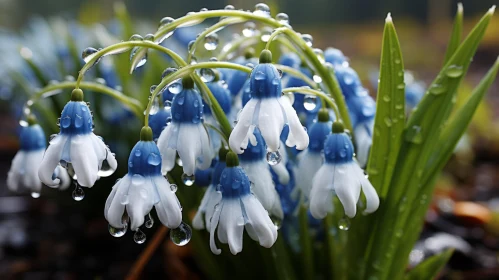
(234, 183)
(32, 138)
(338, 148)
(145, 159)
(76, 119)
(334, 56)
(222, 94)
(317, 134)
(158, 121)
(290, 59)
(254, 153)
(265, 81)
(187, 107)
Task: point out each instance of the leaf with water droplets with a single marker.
(430, 267)
(457, 30)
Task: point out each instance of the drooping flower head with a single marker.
(239, 209)
(142, 188)
(23, 173)
(186, 134)
(76, 147)
(340, 175)
(268, 111)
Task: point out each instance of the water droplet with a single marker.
(266, 32)
(344, 223)
(401, 86)
(211, 41)
(105, 169)
(173, 188)
(188, 180)
(274, 158)
(117, 232)
(164, 21)
(398, 233)
(320, 55)
(388, 121)
(182, 235)
(149, 37)
(139, 237)
(397, 61)
(78, 121)
(88, 54)
(249, 29)
(308, 39)
(386, 98)
(310, 102)
(262, 9)
(207, 75)
(149, 221)
(454, 71)
(282, 18)
(229, 7)
(179, 162)
(136, 37)
(78, 193)
(175, 87)
(317, 79)
(168, 104)
(153, 159)
(66, 122)
(167, 72)
(414, 135)
(35, 194)
(277, 221)
(438, 89)
(143, 57)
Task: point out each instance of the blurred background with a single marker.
(55, 237)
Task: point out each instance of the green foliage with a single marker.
(430, 268)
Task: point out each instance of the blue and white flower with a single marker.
(77, 148)
(142, 188)
(340, 176)
(238, 209)
(254, 163)
(310, 160)
(23, 173)
(159, 120)
(268, 111)
(186, 134)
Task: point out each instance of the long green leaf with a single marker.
(457, 30)
(421, 134)
(430, 268)
(390, 108)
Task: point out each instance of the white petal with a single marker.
(263, 187)
(271, 122)
(347, 187)
(167, 154)
(259, 222)
(103, 153)
(51, 159)
(16, 171)
(84, 160)
(231, 225)
(240, 132)
(203, 209)
(213, 226)
(372, 199)
(321, 195)
(363, 142)
(206, 152)
(308, 164)
(63, 175)
(115, 203)
(189, 147)
(32, 162)
(142, 196)
(168, 207)
(297, 135)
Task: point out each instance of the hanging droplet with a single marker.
(277, 221)
(149, 221)
(78, 193)
(141, 61)
(308, 39)
(139, 237)
(35, 194)
(262, 9)
(344, 223)
(188, 179)
(105, 170)
(182, 235)
(211, 41)
(249, 29)
(266, 32)
(88, 53)
(175, 87)
(179, 162)
(317, 79)
(274, 158)
(320, 55)
(136, 37)
(310, 102)
(282, 18)
(168, 104)
(207, 75)
(155, 106)
(117, 232)
(173, 188)
(149, 37)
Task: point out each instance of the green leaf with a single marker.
(390, 112)
(388, 255)
(430, 268)
(457, 30)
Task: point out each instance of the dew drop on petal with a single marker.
(78, 121)
(274, 158)
(153, 159)
(139, 237)
(277, 221)
(173, 188)
(175, 87)
(344, 223)
(149, 221)
(117, 232)
(78, 193)
(182, 235)
(188, 180)
(66, 122)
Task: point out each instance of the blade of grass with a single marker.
(457, 30)
(306, 245)
(430, 268)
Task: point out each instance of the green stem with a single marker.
(306, 245)
(234, 45)
(329, 227)
(293, 72)
(214, 128)
(132, 103)
(322, 95)
(280, 256)
(274, 34)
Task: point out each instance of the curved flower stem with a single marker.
(146, 255)
(274, 34)
(321, 95)
(212, 29)
(217, 131)
(132, 103)
(125, 46)
(293, 72)
(234, 45)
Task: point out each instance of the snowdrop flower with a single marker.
(268, 111)
(335, 57)
(310, 160)
(186, 133)
(238, 209)
(211, 196)
(142, 188)
(76, 147)
(159, 120)
(348, 80)
(23, 173)
(340, 176)
(222, 95)
(254, 163)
